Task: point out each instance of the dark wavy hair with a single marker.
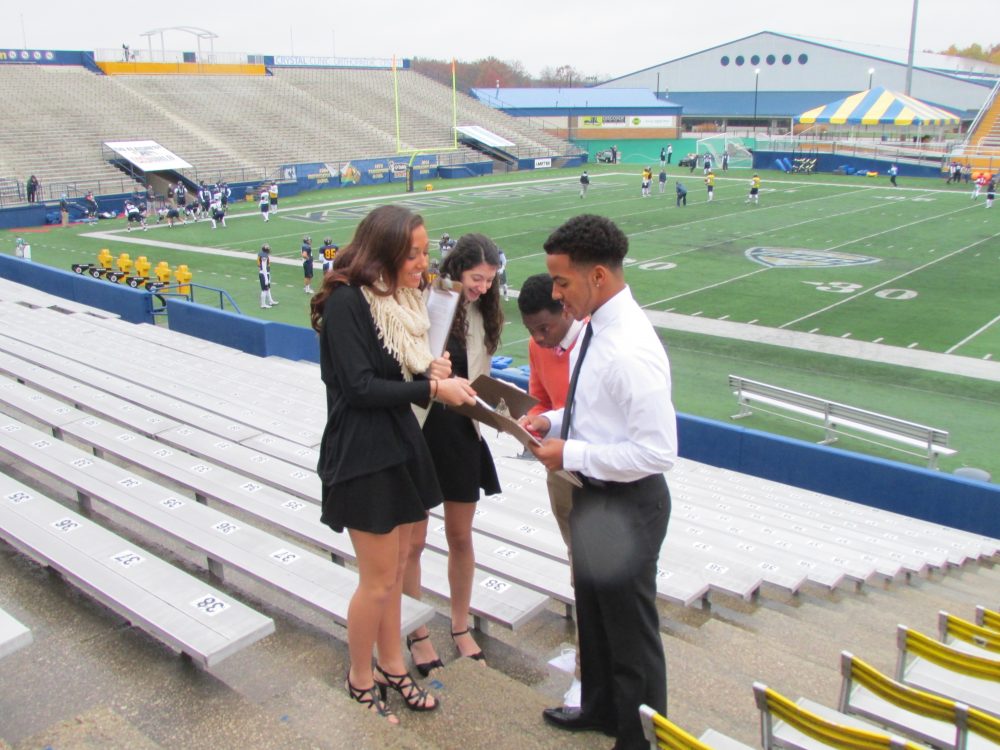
(380, 246)
(470, 251)
(589, 240)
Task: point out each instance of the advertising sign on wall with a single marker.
(628, 121)
(359, 172)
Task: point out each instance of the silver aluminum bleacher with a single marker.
(834, 417)
(227, 542)
(238, 402)
(184, 613)
(806, 532)
(862, 521)
(495, 599)
(13, 634)
(322, 114)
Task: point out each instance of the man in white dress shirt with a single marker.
(618, 433)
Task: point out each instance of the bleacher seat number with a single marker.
(127, 558)
(495, 585)
(210, 605)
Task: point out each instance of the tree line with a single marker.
(491, 72)
(990, 53)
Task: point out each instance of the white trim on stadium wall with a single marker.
(795, 257)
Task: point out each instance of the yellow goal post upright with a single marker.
(415, 152)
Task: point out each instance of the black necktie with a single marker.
(568, 411)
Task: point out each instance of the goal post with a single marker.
(717, 145)
(413, 153)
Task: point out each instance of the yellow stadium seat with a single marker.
(952, 628)
(927, 718)
(934, 667)
(663, 734)
(786, 725)
(988, 618)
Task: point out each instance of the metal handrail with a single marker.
(982, 113)
(173, 290)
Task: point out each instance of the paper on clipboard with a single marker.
(499, 405)
(442, 298)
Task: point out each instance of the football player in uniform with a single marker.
(134, 216)
(754, 196)
(307, 264)
(710, 185)
(264, 274)
(329, 254)
(217, 211)
(265, 204)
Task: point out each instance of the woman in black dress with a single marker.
(378, 476)
(462, 458)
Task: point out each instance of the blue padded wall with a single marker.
(910, 490)
(133, 305)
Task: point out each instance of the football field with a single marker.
(847, 257)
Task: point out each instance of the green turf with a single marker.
(932, 287)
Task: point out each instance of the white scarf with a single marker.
(402, 324)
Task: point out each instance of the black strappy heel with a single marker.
(370, 699)
(428, 666)
(414, 696)
(478, 656)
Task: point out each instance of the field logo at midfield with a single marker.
(794, 257)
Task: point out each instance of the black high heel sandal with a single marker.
(425, 668)
(414, 696)
(370, 699)
(478, 656)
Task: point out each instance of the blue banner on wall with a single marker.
(317, 175)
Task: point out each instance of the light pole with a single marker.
(871, 72)
(756, 82)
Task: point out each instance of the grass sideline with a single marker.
(848, 257)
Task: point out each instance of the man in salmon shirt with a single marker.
(553, 335)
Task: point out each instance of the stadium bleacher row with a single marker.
(235, 128)
(209, 471)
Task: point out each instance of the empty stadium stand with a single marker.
(236, 128)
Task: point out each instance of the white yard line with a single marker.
(973, 335)
(870, 289)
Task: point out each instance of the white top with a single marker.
(624, 424)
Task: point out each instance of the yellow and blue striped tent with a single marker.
(878, 106)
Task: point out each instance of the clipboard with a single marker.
(442, 298)
(500, 405)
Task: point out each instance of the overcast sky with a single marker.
(585, 34)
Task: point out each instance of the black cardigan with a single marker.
(370, 425)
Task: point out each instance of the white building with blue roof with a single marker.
(779, 76)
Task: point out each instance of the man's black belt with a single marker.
(609, 486)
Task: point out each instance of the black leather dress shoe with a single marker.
(572, 720)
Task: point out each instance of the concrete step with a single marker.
(723, 665)
(702, 695)
(478, 705)
(327, 718)
(97, 729)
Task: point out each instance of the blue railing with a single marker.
(174, 290)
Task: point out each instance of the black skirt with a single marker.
(381, 501)
(462, 459)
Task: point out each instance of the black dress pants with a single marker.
(617, 530)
